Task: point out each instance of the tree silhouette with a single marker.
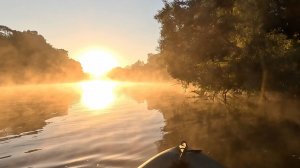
(26, 57)
(232, 45)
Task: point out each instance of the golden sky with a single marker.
(124, 27)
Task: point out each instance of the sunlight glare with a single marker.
(97, 62)
(97, 95)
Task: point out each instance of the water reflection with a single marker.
(45, 126)
(24, 110)
(97, 95)
(55, 126)
(242, 134)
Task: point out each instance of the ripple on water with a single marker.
(119, 136)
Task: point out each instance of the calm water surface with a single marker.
(107, 124)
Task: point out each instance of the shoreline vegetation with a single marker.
(235, 47)
(27, 58)
(217, 48)
(224, 49)
(154, 70)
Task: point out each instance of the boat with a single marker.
(181, 157)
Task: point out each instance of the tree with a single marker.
(229, 45)
(153, 70)
(26, 57)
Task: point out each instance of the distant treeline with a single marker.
(226, 46)
(153, 70)
(26, 57)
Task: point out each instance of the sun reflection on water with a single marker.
(97, 95)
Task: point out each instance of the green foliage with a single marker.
(232, 45)
(26, 57)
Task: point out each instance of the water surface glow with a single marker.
(57, 126)
(97, 95)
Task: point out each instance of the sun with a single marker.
(97, 62)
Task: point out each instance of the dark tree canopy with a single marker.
(232, 45)
(26, 57)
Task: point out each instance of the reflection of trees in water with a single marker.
(25, 110)
(239, 135)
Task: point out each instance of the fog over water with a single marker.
(109, 124)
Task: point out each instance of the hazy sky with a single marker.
(126, 27)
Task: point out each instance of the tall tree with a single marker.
(26, 57)
(223, 45)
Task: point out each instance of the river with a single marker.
(108, 124)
